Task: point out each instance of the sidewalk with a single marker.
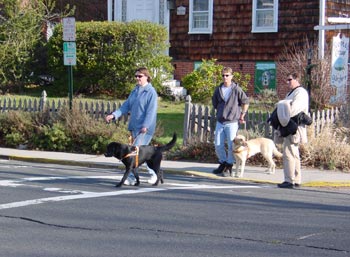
(310, 177)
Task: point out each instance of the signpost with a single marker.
(69, 52)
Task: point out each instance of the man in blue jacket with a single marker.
(142, 105)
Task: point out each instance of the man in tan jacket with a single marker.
(298, 99)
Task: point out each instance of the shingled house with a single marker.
(247, 35)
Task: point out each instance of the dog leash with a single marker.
(243, 127)
(136, 152)
(132, 140)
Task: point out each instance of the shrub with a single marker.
(241, 79)
(201, 82)
(108, 54)
(198, 151)
(88, 134)
(22, 50)
(14, 139)
(68, 130)
(294, 58)
(266, 100)
(16, 128)
(52, 138)
(329, 150)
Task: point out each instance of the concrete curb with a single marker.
(327, 184)
(62, 162)
(258, 181)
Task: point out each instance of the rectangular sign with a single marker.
(69, 53)
(339, 72)
(265, 76)
(68, 29)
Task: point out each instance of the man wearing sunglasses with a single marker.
(231, 104)
(142, 106)
(298, 102)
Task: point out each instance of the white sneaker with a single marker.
(130, 182)
(153, 179)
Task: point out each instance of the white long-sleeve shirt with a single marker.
(299, 101)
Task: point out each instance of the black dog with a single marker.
(133, 157)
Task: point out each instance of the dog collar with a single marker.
(134, 153)
(240, 149)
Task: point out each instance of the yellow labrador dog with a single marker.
(244, 149)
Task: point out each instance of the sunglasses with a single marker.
(138, 76)
(226, 75)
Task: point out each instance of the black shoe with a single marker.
(228, 170)
(296, 185)
(285, 184)
(220, 169)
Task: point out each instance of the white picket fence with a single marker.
(199, 120)
(96, 109)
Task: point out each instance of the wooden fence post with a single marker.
(42, 101)
(188, 108)
(212, 123)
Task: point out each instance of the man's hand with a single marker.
(241, 118)
(109, 118)
(143, 130)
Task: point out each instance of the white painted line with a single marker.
(19, 182)
(86, 195)
(52, 189)
(75, 197)
(64, 191)
(199, 186)
(70, 177)
(14, 166)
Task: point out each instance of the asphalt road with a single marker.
(54, 210)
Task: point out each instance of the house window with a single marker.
(201, 17)
(265, 16)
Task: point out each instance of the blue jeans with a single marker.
(225, 133)
(142, 139)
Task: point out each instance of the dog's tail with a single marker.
(169, 145)
(277, 153)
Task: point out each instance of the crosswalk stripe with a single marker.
(76, 194)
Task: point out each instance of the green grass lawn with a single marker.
(171, 119)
